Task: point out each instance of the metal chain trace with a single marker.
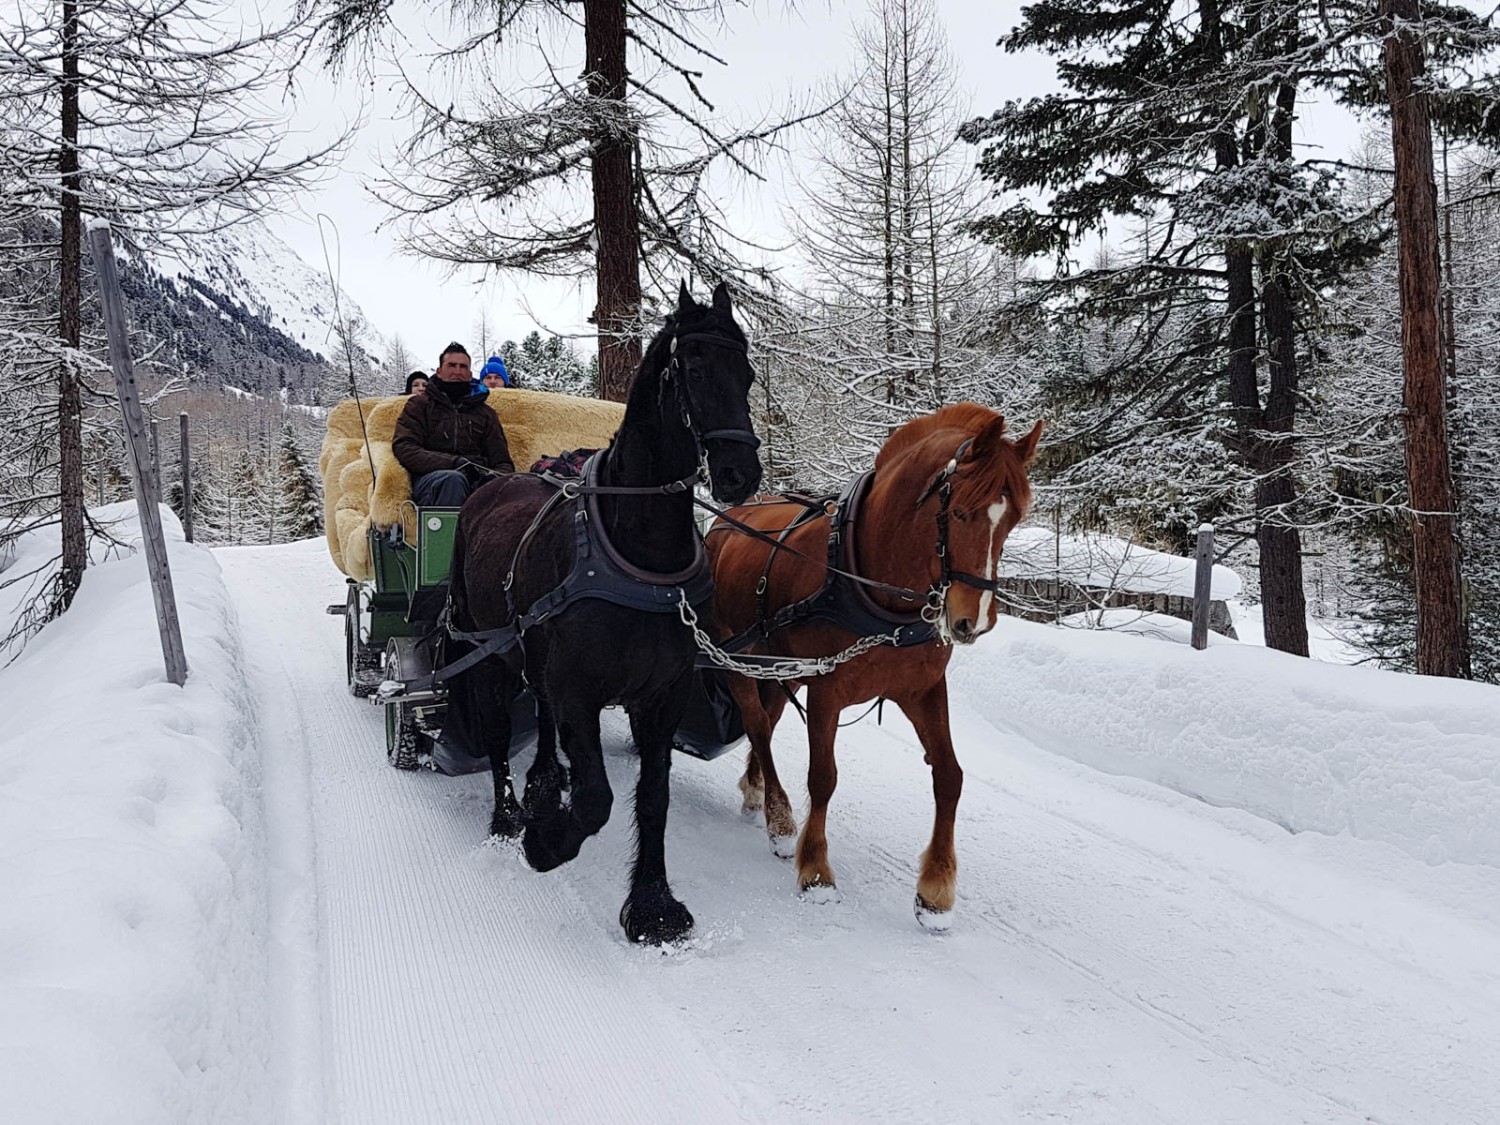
(792, 668)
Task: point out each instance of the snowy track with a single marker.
(1120, 953)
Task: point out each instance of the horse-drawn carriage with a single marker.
(397, 559)
(600, 591)
(397, 556)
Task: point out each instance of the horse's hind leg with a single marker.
(544, 780)
(760, 786)
(491, 691)
(651, 913)
(937, 884)
(814, 873)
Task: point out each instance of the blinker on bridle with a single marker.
(746, 437)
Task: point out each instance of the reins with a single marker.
(489, 642)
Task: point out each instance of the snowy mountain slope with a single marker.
(250, 265)
(347, 948)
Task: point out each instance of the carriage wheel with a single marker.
(405, 744)
(361, 662)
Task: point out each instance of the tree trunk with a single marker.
(616, 221)
(1441, 649)
(70, 331)
(1283, 603)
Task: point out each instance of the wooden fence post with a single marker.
(1203, 584)
(113, 303)
(185, 467)
(155, 463)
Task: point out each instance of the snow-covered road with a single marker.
(1121, 953)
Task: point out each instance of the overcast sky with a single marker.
(773, 53)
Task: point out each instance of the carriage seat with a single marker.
(537, 424)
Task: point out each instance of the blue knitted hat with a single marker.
(495, 366)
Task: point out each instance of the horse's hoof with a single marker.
(655, 920)
(753, 797)
(821, 894)
(540, 851)
(507, 823)
(784, 847)
(931, 919)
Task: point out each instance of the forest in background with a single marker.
(1206, 311)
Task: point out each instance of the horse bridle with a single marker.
(674, 367)
(942, 484)
(933, 601)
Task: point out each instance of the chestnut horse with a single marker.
(946, 490)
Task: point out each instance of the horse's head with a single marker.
(973, 486)
(709, 360)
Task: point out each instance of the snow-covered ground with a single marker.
(133, 877)
(1131, 944)
(1106, 562)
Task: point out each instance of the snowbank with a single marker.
(132, 931)
(1105, 562)
(1410, 760)
(1139, 623)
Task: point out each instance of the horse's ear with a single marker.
(721, 298)
(1026, 447)
(685, 302)
(988, 439)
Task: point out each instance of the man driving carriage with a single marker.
(447, 438)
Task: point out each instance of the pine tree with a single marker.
(891, 275)
(1179, 124)
(602, 174)
(299, 496)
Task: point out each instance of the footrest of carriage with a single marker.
(394, 691)
(706, 751)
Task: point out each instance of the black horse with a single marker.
(689, 400)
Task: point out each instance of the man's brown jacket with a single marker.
(435, 433)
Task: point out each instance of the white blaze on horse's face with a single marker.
(987, 607)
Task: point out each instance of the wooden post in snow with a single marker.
(1203, 585)
(155, 463)
(141, 476)
(185, 467)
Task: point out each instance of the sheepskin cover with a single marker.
(537, 424)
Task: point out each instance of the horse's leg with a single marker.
(550, 841)
(651, 913)
(544, 779)
(814, 874)
(490, 691)
(937, 884)
(760, 787)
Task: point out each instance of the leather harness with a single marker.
(599, 571)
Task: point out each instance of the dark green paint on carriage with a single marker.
(435, 544)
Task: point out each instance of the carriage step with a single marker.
(336, 610)
(394, 691)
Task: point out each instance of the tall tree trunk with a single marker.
(616, 220)
(69, 330)
(1283, 603)
(1441, 648)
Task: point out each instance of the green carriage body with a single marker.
(404, 596)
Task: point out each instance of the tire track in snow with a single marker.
(456, 985)
(1333, 1028)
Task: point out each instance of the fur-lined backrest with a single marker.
(537, 424)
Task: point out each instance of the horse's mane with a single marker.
(929, 441)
